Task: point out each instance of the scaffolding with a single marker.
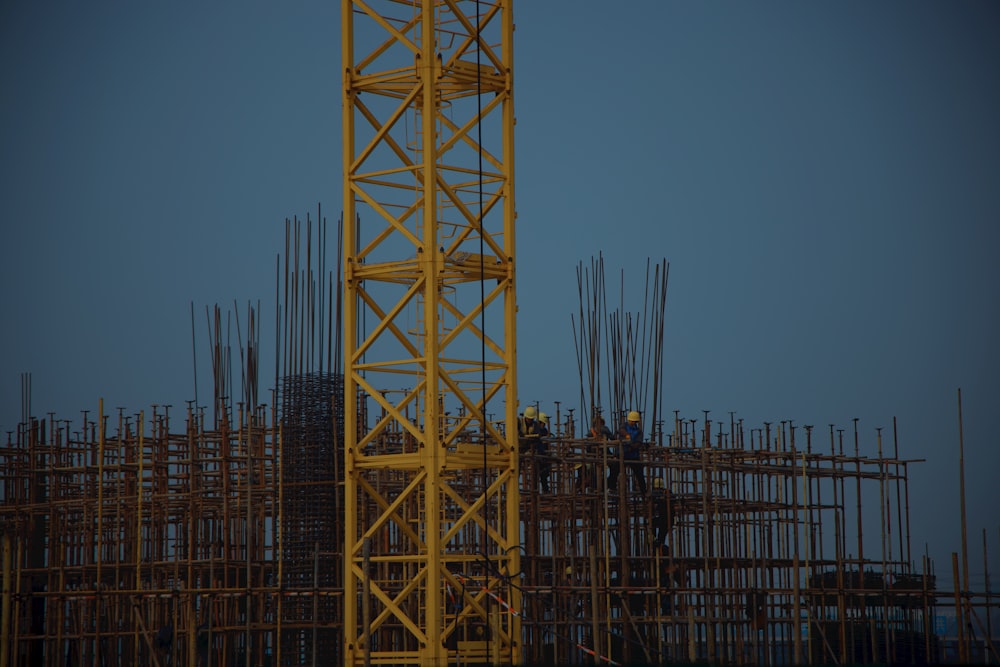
(127, 538)
(738, 553)
(137, 543)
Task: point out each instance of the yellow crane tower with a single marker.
(431, 475)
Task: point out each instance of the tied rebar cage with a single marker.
(311, 429)
(310, 417)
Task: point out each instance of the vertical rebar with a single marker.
(964, 618)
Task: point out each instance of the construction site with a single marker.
(381, 503)
(173, 537)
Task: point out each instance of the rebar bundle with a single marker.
(620, 351)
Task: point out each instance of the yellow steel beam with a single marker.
(432, 494)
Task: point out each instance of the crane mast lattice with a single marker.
(431, 472)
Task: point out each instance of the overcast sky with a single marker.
(823, 177)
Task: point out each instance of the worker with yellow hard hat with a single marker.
(528, 428)
(532, 431)
(632, 445)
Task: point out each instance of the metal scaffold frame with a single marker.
(125, 535)
(429, 319)
(139, 544)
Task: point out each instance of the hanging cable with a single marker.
(482, 315)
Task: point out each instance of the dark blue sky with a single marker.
(824, 179)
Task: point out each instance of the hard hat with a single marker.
(569, 570)
(633, 416)
(542, 417)
(530, 412)
(657, 483)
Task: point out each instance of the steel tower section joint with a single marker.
(431, 476)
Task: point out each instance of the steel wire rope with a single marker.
(484, 531)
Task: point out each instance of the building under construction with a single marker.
(215, 536)
(379, 506)
(158, 539)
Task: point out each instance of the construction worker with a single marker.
(531, 433)
(632, 444)
(663, 519)
(544, 418)
(527, 427)
(543, 462)
(600, 434)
